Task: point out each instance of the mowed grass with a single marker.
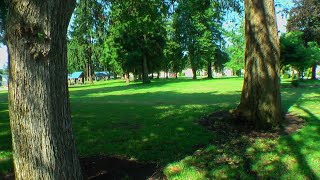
(157, 123)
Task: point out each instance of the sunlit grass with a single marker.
(157, 123)
(293, 156)
(153, 122)
(5, 135)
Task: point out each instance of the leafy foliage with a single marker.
(136, 31)
(236, 49)
(295, 53)
(3, 14)
(305, 17)
(197, 30)
(87, 35)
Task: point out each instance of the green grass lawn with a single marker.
(157, 123)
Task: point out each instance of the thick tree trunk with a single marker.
(260, 100)
(145, 74)
(314, 71)
(194, 72)
(209, 69)
(39, 108)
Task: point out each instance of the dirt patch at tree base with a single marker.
(225, 122)
(104, 167)
(234, 135)
(113, 168)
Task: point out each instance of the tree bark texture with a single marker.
(39, 108)
(260, 99)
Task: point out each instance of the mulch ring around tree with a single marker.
(225, 122)
(234, 134)
(104, 167)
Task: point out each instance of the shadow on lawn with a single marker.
(160, 127)
(154, 127)
(310, 137)
(242, 156)
(158, 130)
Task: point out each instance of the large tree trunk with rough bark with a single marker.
(39, 108)
(260, 100)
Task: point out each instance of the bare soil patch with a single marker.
(104, 167)
(225, 122)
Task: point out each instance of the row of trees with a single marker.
(300, 45)
(143, 37)
(39, 108)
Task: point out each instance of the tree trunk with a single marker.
(209, 68)
(260, 100)
(194, 71)
(314, 71)
(39, 107)
(89, 67)
(158, 75)
(167, 73)
(145, 74)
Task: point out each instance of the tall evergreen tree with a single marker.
(137, 31)
(197, 30)
(87, 36)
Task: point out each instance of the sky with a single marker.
(282, 21)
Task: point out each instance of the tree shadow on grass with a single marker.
(160, 128)
(250, 156)
(159, 131)
(304, 144)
